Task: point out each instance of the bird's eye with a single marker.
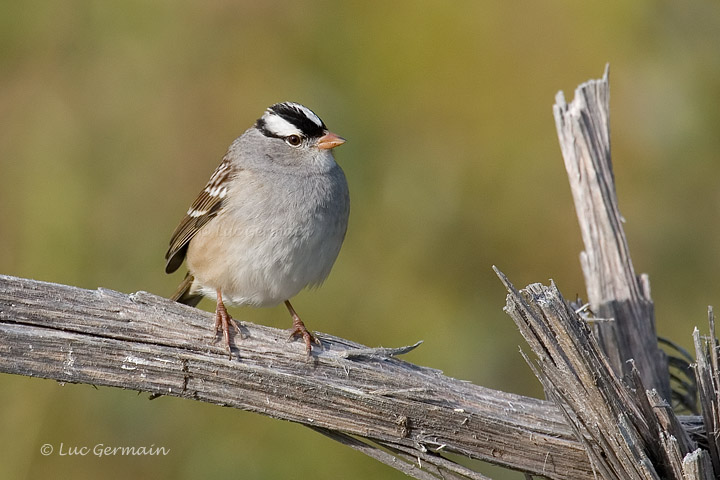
(293, 140)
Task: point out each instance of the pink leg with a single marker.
(223, 320)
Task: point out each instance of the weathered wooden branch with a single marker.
(628, 428)
(150, 344)
(707, 371)
(629, 433)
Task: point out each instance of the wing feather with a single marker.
(205, 207)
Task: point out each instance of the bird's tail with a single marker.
(183, 293)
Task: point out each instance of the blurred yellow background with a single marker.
(114, 115)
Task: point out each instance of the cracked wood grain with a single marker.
(629, 432)
(614, 290)
(150, 344)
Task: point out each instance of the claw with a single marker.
(298, 329)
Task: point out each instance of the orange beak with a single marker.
(330, 140)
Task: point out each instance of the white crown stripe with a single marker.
(279, 126)
(309, 114)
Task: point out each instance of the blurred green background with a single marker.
(114, 114)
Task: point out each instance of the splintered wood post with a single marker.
(628, 433)
(614, 291)
(707, 372)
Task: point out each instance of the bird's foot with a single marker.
(298, 329)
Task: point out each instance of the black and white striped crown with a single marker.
(289, 118)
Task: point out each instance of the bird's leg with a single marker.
(223, 320)
(298, 329)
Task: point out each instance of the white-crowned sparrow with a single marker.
(269, 222)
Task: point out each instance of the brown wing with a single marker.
(205, 207)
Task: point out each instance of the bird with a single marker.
(269, 222)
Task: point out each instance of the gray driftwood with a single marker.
(150, 344)
(707, 371)
(629, 432)
(614, 291)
